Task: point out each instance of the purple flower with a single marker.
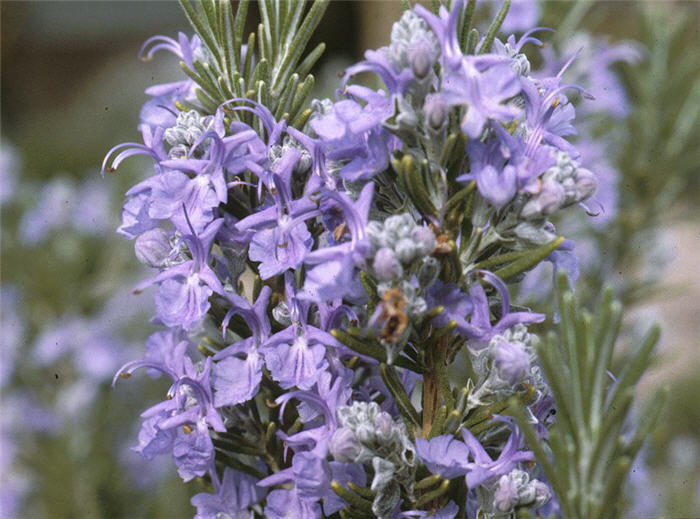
(287, 504)
(310, 474)
(153, 248)
(449, 511)
(190, 401)
(483, 468)
(331, 276)
(353, 134)
(548, 112)
(135, 217)
(234, 494)
(236, 379)
(285, 241)
(496, 187)
(444, 26)
(152, 439)
(174, 190)
(182, 298)
(480, 326)
(379, 62)
(482, 84)
(444, 455)
(193, 452)
(457, 304)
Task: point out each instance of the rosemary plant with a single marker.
(334, 276)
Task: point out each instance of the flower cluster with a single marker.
(315, 282)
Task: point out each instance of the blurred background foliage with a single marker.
(72, 87)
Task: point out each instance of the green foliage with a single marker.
(591, 453)
(272, 70)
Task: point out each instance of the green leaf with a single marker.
(530, 259)
(403, 402)
(494, 27)
(590, 460)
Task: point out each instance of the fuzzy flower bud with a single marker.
(425, 241)
(511, 361)
(189, 127)
(421, 55)
(542, 493)
(428, 271)
(435, 111)
(153, 248)
(344, 446)
(413, 45)
(386, 265)
(586, 184)
(560, 186)
(405, 250)
(281, 314)
(506, 495)
(516, 489)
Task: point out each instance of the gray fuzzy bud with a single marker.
(281, 314)
(435, 111)
(344, 446)
(542, 493)
(153, 248)
(405, 250)
(505, 498)
(421, 56)
(586, 184)
(425, 240)
(560, 186)
(516, 489)
(386, 265)
(548, 201)
(428, 271)
(533, 233)
(399, 225)
(413, 45)
(189, 127)
(511, 361)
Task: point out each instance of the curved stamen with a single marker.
(127, 369)
(157, 43)
(130, 149)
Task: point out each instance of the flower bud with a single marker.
(365, 433)
(421, 56)
(542, 493)
(435, 111)
(384, 425)
(405, 250)
(586, 184)
(511, 361)
(153, 248)
(344, 446)
(428, 271)
(281, 314)
(425, 241)
(506, 495)
(548, 201)
(386, 266)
